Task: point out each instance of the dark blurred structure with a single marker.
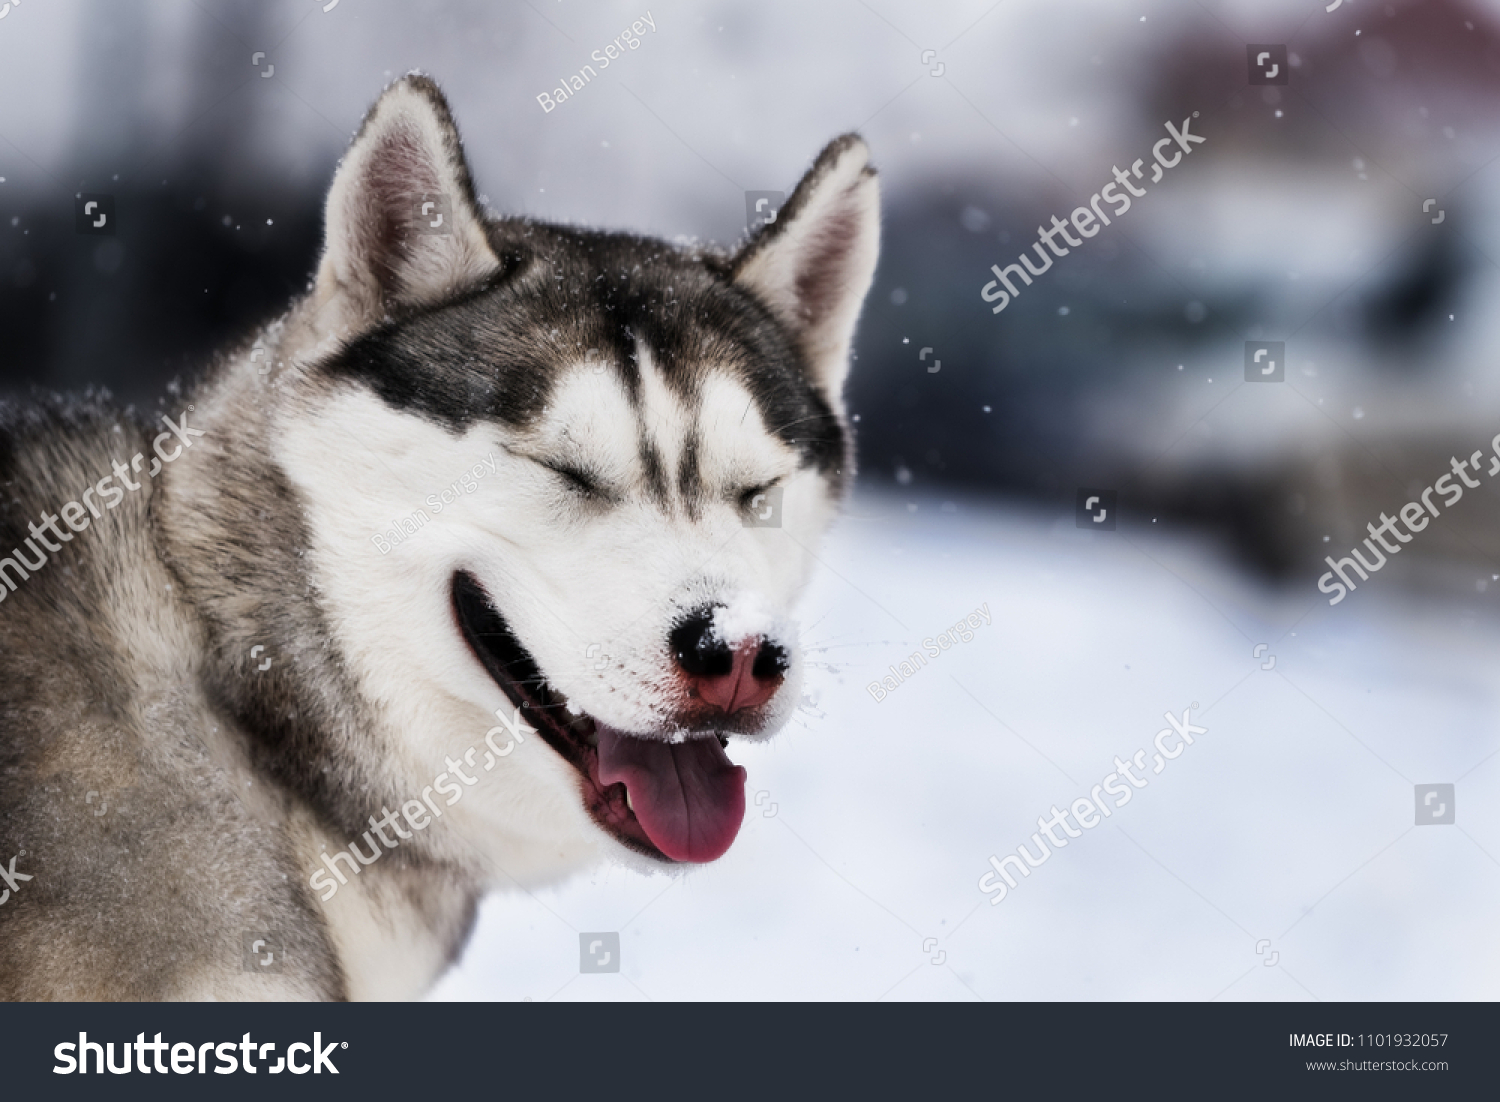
(1077, 382)
(204, 246)
(1095, 376)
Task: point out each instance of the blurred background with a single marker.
(1349, 213)
(215, 126)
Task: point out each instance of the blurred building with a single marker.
(1304, 218)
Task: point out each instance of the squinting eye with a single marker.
(581, 482)
(578, 480)
(755, 497)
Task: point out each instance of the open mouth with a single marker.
(681, 801)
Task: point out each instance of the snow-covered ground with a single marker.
(1276, 857)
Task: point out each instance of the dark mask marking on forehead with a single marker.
(689, 484)
(655, 471)
(496, 352)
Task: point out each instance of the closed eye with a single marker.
(747, 497)
(580, 481)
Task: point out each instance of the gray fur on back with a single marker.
(144, 858)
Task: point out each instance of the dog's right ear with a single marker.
(814, 264)
(402, 227)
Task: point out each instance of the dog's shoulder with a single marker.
(111, 743)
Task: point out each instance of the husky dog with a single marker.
(467, 573)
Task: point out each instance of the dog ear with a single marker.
(401, 227)
(813, 266)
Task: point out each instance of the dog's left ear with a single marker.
(402, 227)
(813, 266)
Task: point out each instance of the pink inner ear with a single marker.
(814, 265)
(822, 275)
(399, 171)
(378, 252)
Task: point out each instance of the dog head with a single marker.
(572, 477)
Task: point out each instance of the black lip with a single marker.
(511, 667)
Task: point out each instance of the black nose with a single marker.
(698, 650)
(770, 661)
(702, 653)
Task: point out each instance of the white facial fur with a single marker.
(577, 582)
(582, 584)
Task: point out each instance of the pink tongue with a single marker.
(688, 796)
